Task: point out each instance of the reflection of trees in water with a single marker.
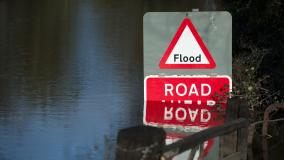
(36, 60)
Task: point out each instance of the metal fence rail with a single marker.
(196, 139)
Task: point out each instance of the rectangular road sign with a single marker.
(194, 102)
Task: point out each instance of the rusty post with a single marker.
(268, 110)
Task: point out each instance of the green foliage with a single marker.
(258, 43)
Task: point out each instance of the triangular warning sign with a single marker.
(187, 50)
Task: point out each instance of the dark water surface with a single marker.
(71, 74)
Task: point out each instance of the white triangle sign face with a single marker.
(187, 50)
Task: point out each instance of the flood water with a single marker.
(71, 75)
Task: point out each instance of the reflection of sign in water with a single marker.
(187, 50)
(189, 101)
(171, 138)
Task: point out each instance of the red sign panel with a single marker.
(198, 101)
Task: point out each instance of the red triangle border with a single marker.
(187, 22)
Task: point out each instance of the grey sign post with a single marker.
(215, 30)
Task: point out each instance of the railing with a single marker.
(196, 139)
(148, 143)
